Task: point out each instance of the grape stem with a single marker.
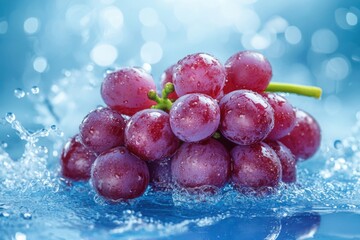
(163, 102)
(309, 91)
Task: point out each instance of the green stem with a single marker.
(163, 103)
(309, 91)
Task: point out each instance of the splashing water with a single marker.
(32, 191)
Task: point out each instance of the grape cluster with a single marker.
(211, 125)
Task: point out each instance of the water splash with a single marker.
(31, 169)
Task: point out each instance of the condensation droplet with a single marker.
(19, 93)
(42, 151)
(26, 216)
(35, 90)
(10, 117)
(5, 214)
(3, 144)
(338, 144)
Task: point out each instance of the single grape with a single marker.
(304, 140)
(149, 136)
(76, 160)
(102, 129)
(205, 163)
(255, 167)
(167, 77)
(119, 175)
(194, 117)
(284, 116)
(160, 174)
(247, 70)
(199, 73)
(287, 159)
(246, 117)
(126, 90)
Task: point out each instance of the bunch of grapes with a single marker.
(211, 125)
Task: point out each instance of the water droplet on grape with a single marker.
(35, 90)
(10, 117)
(338, 144)
(19, 93)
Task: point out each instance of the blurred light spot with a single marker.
(146, 67)
(148, 17)
(346, 19)
(351, 19)
(324, 41)
(40, 64)
(337, 68)
(260, 41)
(276, 24)
(332, 105)
(292, 35)
(249, 21)
(31, 25)
(151, 52)
(112, 16)
(3, 27)
(20, 236)
(104, 54)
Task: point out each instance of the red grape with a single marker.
(118, 175)
(287, 159)
(247, 70)
(199, 73)
(126, 90)
(148, 135)
(304, 140)
(76, 160)
(194, 117)
(102, 129)
(284, 115)
(160, 174)
(246, 117)
(205, 163)
(167, 77)
(255, 167)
